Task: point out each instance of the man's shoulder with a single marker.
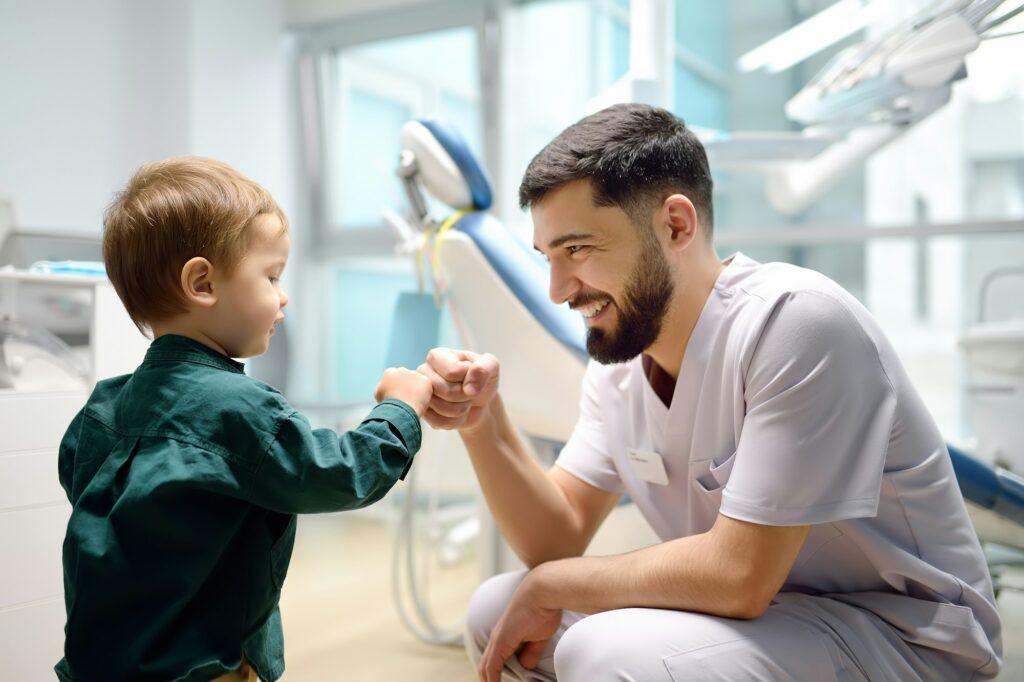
(772, 283)
(781, 294)
(793, 311)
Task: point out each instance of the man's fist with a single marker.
(463, 382)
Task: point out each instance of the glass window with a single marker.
(369, 146)
(364, 317)
(610, 42)
(961, 165)
(700, 102)
(379, 87)
(702, 63)
(362, 313)
(540, 101)
(702, 29)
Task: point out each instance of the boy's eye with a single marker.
(275, 280)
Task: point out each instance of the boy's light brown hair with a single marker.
(170, 212)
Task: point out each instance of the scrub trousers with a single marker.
(800, 637)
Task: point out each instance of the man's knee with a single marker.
(613, 645)
(653, 644)
(596, 648)
(634, 644)
(485, 608)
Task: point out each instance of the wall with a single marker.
(90, 90)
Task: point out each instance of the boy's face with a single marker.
(249, 301)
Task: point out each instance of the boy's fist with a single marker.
(406, 385)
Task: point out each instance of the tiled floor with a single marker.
(340, 621)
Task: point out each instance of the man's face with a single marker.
(606, 267)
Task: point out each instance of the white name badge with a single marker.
(648, 466)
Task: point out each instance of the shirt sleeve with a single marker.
(586, 454)
(820, 409)
(306, 470)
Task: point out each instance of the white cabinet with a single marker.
(115, 345)
(33, 518)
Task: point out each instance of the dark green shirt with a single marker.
(185, 478)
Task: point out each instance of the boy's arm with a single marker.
(66, 454)
(306, 470)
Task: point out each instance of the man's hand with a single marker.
(526, 623)
(464, 384)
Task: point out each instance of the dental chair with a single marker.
(496, 288)
(495, 285)
(995, 502)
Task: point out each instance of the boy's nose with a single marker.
(284, 299)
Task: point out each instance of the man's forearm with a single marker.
(529, 509)
(688, 574)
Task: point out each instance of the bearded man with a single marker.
(811, 525)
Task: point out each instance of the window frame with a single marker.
(324, 248)
(318, 52)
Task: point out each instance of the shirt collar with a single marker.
(736, 266)
(175, 347)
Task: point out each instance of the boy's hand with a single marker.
(406, 385)
(464, 384)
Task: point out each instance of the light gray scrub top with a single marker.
(791, 408)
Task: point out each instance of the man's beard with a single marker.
(645, 302)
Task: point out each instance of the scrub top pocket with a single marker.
(707, 482)
(710, 477)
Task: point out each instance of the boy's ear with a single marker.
(197, 282)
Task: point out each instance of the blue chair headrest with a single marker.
(458, 150)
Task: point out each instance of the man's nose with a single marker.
(563, 285)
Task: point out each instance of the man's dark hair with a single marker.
(635, 155)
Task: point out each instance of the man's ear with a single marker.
(197, 282)
(679, 215)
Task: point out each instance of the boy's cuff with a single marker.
(401, 416)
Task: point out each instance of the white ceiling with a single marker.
(307, 12)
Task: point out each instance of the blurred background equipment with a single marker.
(62, 328)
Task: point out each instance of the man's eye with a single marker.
(574, 249)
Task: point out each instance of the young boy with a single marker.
(185, 477)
